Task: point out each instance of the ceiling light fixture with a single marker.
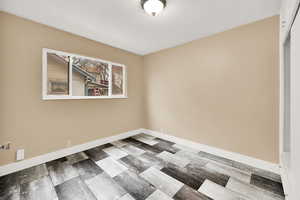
(153, 7)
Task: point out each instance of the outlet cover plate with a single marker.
(20, 154)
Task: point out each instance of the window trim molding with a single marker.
(45, 96)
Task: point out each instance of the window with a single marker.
(70, 76)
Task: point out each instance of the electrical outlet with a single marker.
(20, 154)
(5, 146)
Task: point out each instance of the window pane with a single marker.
(89, 77)
(117, 80)
(58, 74)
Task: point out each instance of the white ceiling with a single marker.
(123, 24)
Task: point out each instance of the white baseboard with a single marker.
(13, 167)
(261, 164)
(285, 175)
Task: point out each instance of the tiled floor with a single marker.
(142, 167)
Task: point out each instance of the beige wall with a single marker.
(44, 126)
(221, 90)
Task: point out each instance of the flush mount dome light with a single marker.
(153, 7)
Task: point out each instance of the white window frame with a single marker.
(45, 96)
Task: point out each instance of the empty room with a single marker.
(149, 100)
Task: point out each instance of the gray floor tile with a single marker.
(218, 192)
(166, 146)
(229, 171)
(174, 159)
(164, 141)
(192, 157)
(111, 166)
(87, 169)
(74, 189)
(151, 160)
(267, 184)
(126, 197)
(147, 168)
(132, 150)
(32, 173)
(161, 181)
(119, 143)
(96, 154)
(241, 166)
(186, 148)
(142, 145)
(187, 193)
(183, 175)
(200, 173)
(10, 187)
(60, 171)
(159, 195)
(135, 164)
(10, 193)
(115, 152)
(74, 158)
(104, 146)
(145, 139)
(105, 188)
(251, 190)
(38, 189)
(134, 185)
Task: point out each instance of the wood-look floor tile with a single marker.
(159, 195)
(126, 197)
(105, 188)
(187, 193)
(172, 158)
(151, 160)
(150, 137)
(10, 187)
(267, 184)
(161, 181)
(134, 185)
(87, 169)
(104, 146)
(142, 145)
(38, 189)
(135, 164)
(132, 150)
(60, 171)
(166, 146)
(119, 143)
(111, 166)
(96, 154)
(11, 192)
(186, 148)
(164, 141)
(77, 157)
(74, 189)
(183, 175)
(201, 173)
(32, 173)
(251, 190)
(192, 157)
(229, 171)
(218, 192)
(145, 139)
(241, 166)
(115, 152)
